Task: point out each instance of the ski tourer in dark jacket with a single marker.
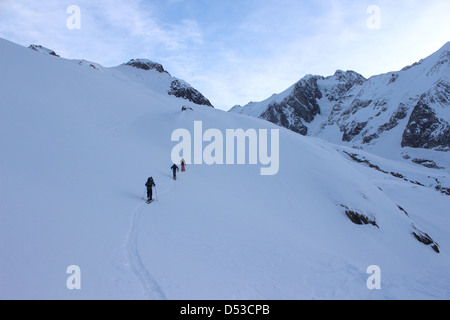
(175, 169)
(150, 184)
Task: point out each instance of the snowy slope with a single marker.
(77, 145)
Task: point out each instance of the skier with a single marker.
(150, 184)
(183, 165)
(174, 170)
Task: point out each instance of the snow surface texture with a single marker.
(408, 108)
(78, 144)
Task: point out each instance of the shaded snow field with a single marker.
(78, 143)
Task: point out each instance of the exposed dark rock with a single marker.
(425, 129)
(370, 138)
(181, 89)
(184, 108)
(146, 65)
(398, 115)
(425, 239)
(443, 190)
(404, 211)
(91, 65)
(427, 163)
(301, 105)
(353, 130)
(413, 65)
(347, 80)
(355, 158)
(359, 218)
(443, 60)
(357, 105)
(42, 49)
(397, 175)
(393, 78)
(284, 117)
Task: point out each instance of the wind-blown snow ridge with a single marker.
(150, 285)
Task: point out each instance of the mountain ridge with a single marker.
(362, 110)
(144, 69)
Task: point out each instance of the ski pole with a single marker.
(156, 193)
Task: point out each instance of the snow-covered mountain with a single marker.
(409, 108)
(78, 142)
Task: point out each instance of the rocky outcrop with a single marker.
(145, 64)
(298, 107)
(425, 239)
(359, 218)
(346, 81)
(42, 49)
(181, 89)
(425, 129)
(352, 130)
(286, 117)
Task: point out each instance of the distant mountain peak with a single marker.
(348, 75)
(42, 49)
(346, 107)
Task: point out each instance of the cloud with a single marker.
(106, 25)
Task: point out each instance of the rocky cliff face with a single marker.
(425, 129)
(297, 108)
(146, 65)
(181, 89)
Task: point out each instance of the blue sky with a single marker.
(236, 51)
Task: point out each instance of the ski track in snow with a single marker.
(151, 287)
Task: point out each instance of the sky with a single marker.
(235, 51)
